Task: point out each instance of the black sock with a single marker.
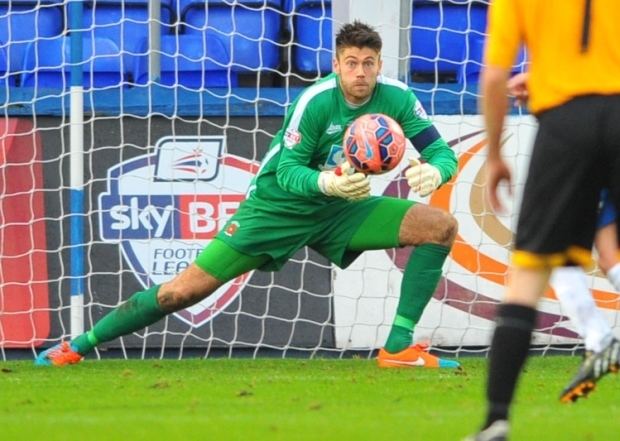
(509, 349)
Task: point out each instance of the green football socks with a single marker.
(420, 280)
(139, 311)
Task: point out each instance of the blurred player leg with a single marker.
(572, 291)
(602, 348)
(594, 367)
(607, 246)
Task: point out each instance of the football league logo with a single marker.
(164, 208)
(292, 137)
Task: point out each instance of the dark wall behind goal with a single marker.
(290, 309)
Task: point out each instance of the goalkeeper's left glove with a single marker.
(423, 178)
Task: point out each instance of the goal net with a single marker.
(132, 129)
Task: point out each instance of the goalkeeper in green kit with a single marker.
(298, 199)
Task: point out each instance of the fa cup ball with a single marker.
(374, 143)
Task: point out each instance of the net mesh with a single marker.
(169, 153)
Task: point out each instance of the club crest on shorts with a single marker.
(231, 228)
(163, 208)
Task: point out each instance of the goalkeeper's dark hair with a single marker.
(359, 35)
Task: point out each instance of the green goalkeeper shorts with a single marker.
(271, 238)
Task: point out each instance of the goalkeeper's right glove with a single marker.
(345, 183)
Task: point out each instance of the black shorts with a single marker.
(576, 153)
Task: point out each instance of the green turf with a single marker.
(274, 399)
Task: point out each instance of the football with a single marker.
(374, 143)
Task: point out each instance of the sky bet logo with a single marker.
(164, 208)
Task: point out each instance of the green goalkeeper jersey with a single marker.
(311, 141)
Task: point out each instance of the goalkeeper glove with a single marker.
(344, 182)
(423, 178)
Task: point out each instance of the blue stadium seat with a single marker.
(440, 32)
(125, 22)
(191, 61)
(21, 21)
(470, 70)
(248, 30)
(47, 64)
(5, 78)
(312, 30)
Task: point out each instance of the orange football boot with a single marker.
(414, 356)
(58, 355)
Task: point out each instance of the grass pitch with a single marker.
(274, 399)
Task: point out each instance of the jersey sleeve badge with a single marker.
(419, 111)
(292, 137)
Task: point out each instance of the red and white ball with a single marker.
(374, 143)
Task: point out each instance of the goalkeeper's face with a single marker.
(358, 68)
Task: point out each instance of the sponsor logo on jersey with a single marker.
(292, 137)
(333, 129)
(163, 208)
(335, 157)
